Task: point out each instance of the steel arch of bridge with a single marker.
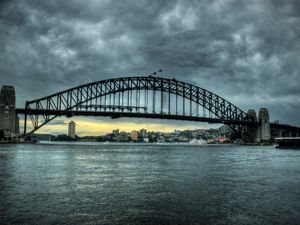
(88, 99)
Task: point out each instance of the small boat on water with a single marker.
(198, 142)
(288, 142)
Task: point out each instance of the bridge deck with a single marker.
(115, 115)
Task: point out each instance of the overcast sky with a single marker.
(246, 51)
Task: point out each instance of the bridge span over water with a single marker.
(150, 97)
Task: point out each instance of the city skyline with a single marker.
(221, 135)
(89, 127)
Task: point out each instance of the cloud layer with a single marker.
(246, 51)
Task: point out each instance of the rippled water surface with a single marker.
(148, 184)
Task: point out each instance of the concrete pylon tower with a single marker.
(252, 131)
(264, 132)
(8, 111)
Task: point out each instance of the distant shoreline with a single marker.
(18, 142)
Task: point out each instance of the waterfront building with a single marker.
(121, 137)
(71, 130)
(143, 133)
(177, 132)
(146, 140)
(210, 141)
(134, 135)
(161, 139)
(116, 132)
(223, 140)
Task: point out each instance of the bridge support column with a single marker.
(252, 132)
(25, 124)
(17, 129)
(7, 112)
(25, 120)
(264, 132)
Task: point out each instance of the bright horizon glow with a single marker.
(92, 127)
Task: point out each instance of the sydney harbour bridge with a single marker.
(150, 97)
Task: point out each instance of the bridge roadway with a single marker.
(115, 115)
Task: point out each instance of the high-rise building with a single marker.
(71, 130)
(116, 132)
(7, 112)
(177, 132)
(134, 135)
(143, 133)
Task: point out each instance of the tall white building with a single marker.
(71, 130)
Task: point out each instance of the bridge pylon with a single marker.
(264, 131)
(252, 131)
(9, 122)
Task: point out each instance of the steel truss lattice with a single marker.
(132, 96)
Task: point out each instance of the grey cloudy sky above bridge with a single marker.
(246, 51)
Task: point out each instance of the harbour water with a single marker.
(148, 184)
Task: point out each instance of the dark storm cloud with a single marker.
(245, 51)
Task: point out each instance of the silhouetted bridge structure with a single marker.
(144, 97)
